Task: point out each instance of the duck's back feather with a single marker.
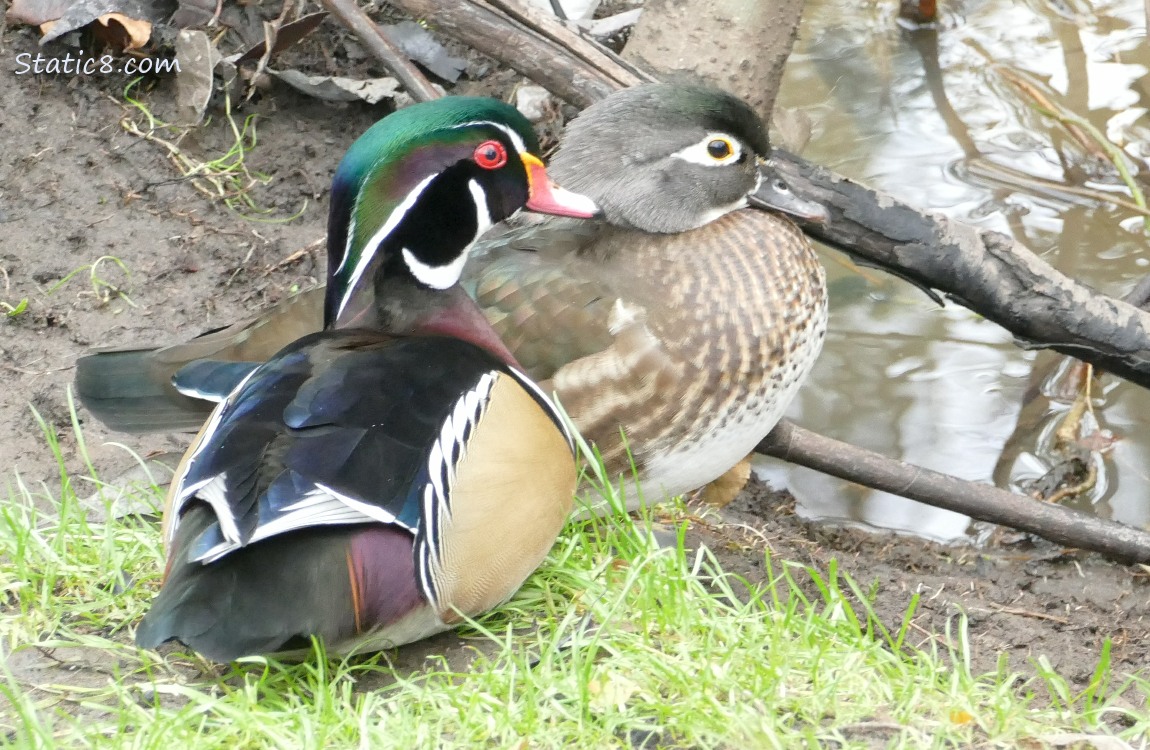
(358, 487)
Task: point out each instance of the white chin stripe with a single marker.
(436, 277)
(443, 277)
(697, 153)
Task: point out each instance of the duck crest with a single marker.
(391, 197)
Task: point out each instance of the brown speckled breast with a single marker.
(692, 344)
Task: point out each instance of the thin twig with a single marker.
(992, 607)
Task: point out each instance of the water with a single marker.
(932, 118)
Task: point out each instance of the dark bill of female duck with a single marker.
(773, 193)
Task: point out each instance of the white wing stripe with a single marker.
(215, 493)
(529, 384)
(321, 506)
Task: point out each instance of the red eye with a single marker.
(490, 155)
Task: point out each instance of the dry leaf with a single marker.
(128, 21)
(198, 58)
(417, 43)
(123, 32)
(337, 89)
(286, 36)
(36, 12)
(193, 13)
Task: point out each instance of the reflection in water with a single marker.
(924, 115)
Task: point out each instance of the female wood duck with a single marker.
(686, 319)
(357, 486)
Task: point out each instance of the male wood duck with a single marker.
(685, 319)
(375, 482)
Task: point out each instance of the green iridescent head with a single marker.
(417, 189)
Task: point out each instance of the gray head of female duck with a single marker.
(669, 157)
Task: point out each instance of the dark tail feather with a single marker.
(130, 391)
(263, 599)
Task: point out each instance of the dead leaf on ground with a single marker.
(338, 89)
(418, 44)
(126, 15)
(193, 13)
(287, 36)
(118, 31)
(197, 58)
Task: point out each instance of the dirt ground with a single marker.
(75, 187)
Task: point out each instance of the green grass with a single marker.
(99, 273)
(224, 177)
(616, 640)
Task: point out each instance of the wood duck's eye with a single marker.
(719, 149)
(490, 155)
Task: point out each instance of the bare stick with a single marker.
(589, 52)
(979, 501)
(379, 45)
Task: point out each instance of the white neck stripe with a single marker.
(436, 277)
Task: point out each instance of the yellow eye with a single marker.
(720, 148)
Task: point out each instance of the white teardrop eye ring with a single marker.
(490, 155)
(719, 149)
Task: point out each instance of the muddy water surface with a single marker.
(933, 117)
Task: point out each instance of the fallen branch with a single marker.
(379, 45)
(981, 502)
(555, 58)
(980, 269)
